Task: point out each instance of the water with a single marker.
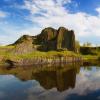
(63, 82)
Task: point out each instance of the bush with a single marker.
(99, 58)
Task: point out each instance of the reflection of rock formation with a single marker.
(66, 79)
(61, 79)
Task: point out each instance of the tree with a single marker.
(87, 44)
(77, 46)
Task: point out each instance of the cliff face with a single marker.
(48, 39)
(65, 39)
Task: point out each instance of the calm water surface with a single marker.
(63, 82)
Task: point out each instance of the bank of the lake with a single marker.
(7, 57)
(51, 57)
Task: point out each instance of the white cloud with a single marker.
(2, 14)
(54, 14)
(98, 10)
(46, 13)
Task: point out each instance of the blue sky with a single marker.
(18, 17)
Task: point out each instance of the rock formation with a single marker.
(48, 39)
(65, 39)
(23, 45)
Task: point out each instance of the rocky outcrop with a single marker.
(65, 39)
(23, 45)
(22, 39)
(52, 39)
(48, 39)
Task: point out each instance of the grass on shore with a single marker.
(88, 57)
(9, 55)
(38, 54)
(6, 53)
(48, 54)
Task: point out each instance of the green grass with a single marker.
(88, 57)
(47, 54)
(10, 55)
(4, 50)
(6, 54)
(5, 47)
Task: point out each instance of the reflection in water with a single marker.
(61, 77)
(71, 82)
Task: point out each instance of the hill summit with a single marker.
(48, 39)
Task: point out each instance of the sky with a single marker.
(19, 17)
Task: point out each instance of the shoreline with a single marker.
(42, 61)
(53, 60)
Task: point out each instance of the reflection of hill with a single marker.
(60, 77)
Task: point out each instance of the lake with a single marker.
(76, 81)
